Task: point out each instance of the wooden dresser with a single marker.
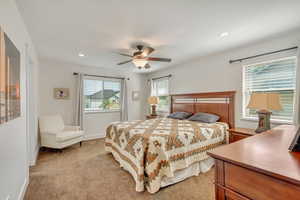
(258, 167)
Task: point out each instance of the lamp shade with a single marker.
(139, 62)
(265, 101)
(153, 100)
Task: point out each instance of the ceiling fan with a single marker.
(140, 58)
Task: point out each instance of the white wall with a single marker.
(13, 141)
(55, 74)
(213, 73)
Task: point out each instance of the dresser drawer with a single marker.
(231, 195)
(253, 185)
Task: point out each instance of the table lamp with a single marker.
(263, 103)
(153, 101)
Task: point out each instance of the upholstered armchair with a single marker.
(54, 133)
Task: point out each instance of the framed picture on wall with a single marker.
(61, 93)
(135, 95)
(10, 99)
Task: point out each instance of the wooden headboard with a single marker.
(219, 103)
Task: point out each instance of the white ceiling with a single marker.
(179, 29)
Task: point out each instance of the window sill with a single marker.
(163, 111)
(273, 121)
(104, 111)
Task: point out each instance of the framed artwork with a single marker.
(10, 99)
(61, 93)
(135, 95)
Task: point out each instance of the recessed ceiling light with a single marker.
(81, 55)
(224, 34)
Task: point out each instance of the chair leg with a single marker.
(80, 144)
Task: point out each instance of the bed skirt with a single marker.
(193, 170)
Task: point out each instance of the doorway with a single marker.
(31, 111)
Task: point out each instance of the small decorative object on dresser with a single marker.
(264, 102)
(236, 134)
(153, 101)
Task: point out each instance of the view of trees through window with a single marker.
(164, 103)
(101, 95)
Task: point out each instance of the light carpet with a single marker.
(89, 173)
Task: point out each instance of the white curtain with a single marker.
(153, 89)
(297, 100)
(124, 103)
(79, 101)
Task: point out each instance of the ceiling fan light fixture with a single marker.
(139, 62)
(81, 55)
(224, 34)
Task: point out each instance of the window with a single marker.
(101, 95)
(160, 88)
(273, 76)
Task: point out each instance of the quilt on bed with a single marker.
(152, 149)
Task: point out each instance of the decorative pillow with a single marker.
(204, 117)
(180, 115)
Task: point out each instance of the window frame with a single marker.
(244, 98)
(166, 95)
(100, 111)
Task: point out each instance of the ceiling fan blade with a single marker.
(158, 59)
(124, 54)
(147, 66)
(147, 51)
(124, 62)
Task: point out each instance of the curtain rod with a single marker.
(75, 73)
(170, 75)
(263, 54)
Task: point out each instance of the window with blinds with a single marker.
(273, 76)
(101, 95)
(160, 88)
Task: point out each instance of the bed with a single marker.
(159, 152)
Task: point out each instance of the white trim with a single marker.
(23, 189)
(94, 136)
(101, 111)
(33, 160)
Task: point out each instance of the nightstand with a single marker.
(236, 134)
(152, 116)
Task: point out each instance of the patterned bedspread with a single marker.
(152, 149)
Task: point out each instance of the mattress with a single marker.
(151, 150)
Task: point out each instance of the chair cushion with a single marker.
(68, 135)
(51, 123)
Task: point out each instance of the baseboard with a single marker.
(32, 162)
(23, 189)
(94, 136)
